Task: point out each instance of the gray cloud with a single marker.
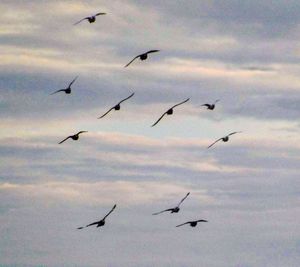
(245, 54)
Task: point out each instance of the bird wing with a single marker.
(202, 221)
(126, 98)
(106, 112)
(80, 21)
(159, 119)
(73, 81)
(64, 140)
(152, 51)
(183, 199)
(217, 101)
(206, 105)
(131, 61)
(233, 133)
(94, 223)
(180, 103)
(214, 142)
(101, 13)
(110, 212)
(156, 213)
(81, 132)
(60, 90)
(182, 224)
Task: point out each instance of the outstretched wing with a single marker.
(205, 105)
(110, 212)
(101, 13)
(182, 224)
(106, 113)
(183, 199)
(156, 213)
(80, 21)
(81, 132)
(214, 142)
(180, 103)
(73, 81)
(64, 140)
(60, 90)
(152, 51)
(202, 221)
(233, 133)
(94, 223)
(131, 61)
(159, 119)
(126, 98)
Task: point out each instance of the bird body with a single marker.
(142, 57)
(116, 107)
(101, 222)
(169, 111)
(192, 223)
(211, 106)
(90, 19)
(224, 139)
(74, 137)
(175, 209)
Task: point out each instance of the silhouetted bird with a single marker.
(192, 223)
(91, 19)
(224, 139)
(175, 209)
(74, 137)
(169, 111)
(66, 90)
(101, 222)
(211, 106)
(142, 56)
(116, 107)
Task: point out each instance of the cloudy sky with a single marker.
(245, 53)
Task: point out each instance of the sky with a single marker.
(245, 53)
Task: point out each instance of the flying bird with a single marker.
(211, 106)
(116, 107)
(175, 209)
(192, 223)
(91, 19)
(169, 111)
(101, 222)
(143, 56)
(66, 90)
(224, 139)
(74, 137)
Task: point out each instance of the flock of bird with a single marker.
(170, 111)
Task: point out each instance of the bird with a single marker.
(169, 111)
(75, 137)
(175, 209)
(143, 56)
(66, 90)
(211, 106)
(91, 19)
(101, 222)
(192, 223)
(116, 107)
(224, 139)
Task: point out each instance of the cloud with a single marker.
(245, 54)
(101, 193)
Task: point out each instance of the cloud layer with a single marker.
(245, 54)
